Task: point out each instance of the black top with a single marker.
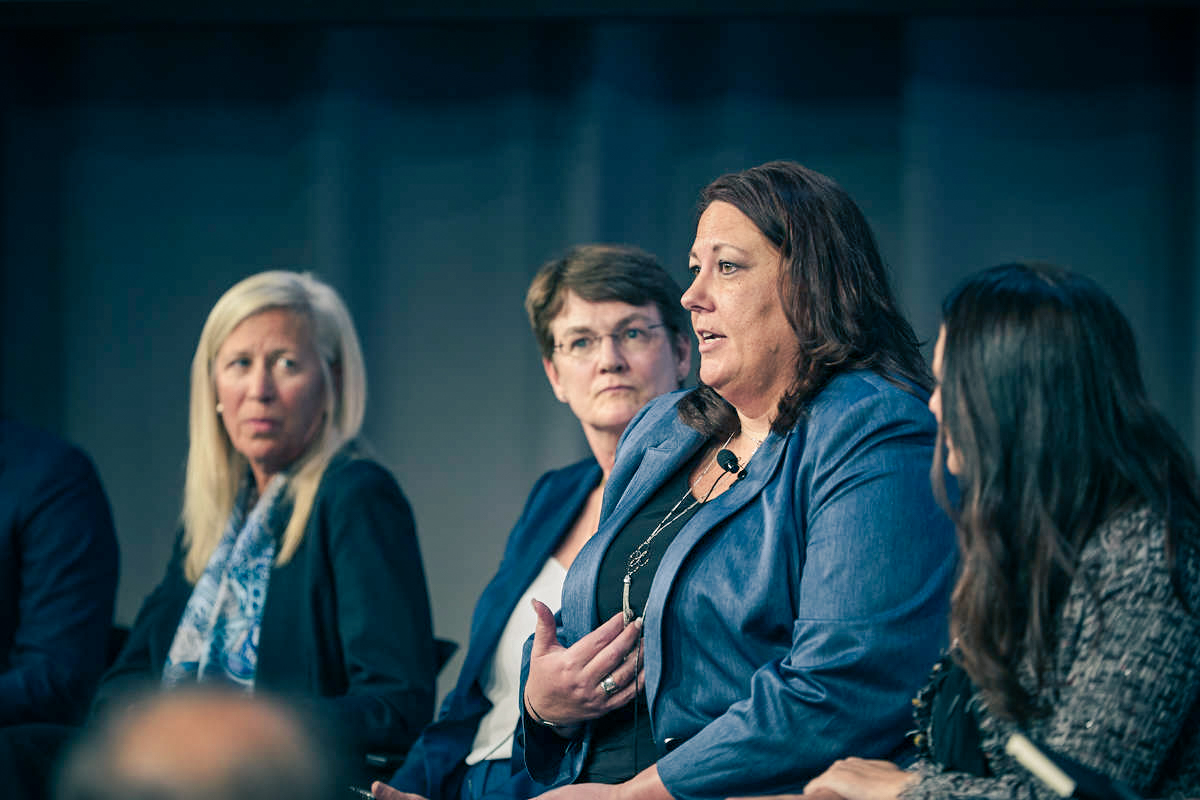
(346, 619)
(947, 730)
(622, 744)
(58, 577)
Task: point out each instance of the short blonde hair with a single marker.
(214, 468)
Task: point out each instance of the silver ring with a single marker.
(609, 685)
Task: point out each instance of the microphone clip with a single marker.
(728, 461)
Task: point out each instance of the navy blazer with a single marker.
(346, 620)
(793, 617)
(58, 577)
(435, 764)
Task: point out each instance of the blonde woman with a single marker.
(297, 569)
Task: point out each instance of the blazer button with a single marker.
(671, 742)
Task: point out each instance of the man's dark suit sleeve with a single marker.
(61, 535)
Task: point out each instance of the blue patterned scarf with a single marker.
(217, 638)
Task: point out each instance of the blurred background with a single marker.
(426, 158)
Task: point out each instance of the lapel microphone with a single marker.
(727, 461)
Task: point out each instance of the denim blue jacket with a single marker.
(794, 616)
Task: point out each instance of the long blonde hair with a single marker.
(214, 468)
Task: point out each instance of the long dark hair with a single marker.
(1044, 405)
(834, 288)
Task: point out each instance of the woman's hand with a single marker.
(862, 779)
(384, 792)
(581, 791)
(599, 673)
(646, 785)
(815, 794)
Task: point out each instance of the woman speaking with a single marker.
(771, 536)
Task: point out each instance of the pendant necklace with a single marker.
(641, 554)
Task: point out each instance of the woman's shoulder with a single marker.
(663, 406)
(1131, 527)
(1130, 548)
(864, 398)
(352, 471)
(557, 484)
(358, 499)
(1130, 540)
(659, 414)
(864, 385)
(571, 474)
(32, 456)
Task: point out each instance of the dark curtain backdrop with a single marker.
(426, 168)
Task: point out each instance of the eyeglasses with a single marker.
(631, 340)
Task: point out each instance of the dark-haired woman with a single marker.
(772, 534)
(1077, 612)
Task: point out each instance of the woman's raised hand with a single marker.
(570, 685)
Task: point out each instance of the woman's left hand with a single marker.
(862, 779)
(382, 791)
(595, 675)
(583, 791)
(815, 794)
(646, 785)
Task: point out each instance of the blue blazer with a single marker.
(58, 577)
(435, 764)
(793, 617)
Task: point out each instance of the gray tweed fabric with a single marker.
(1125, 694)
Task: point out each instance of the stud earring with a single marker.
(220, 408)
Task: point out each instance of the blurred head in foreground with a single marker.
(205, 744)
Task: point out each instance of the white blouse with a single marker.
(501, 679)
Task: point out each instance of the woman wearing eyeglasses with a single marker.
(612, 336)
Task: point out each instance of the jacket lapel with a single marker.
(760, 469)
(502, 595)
(630, 485)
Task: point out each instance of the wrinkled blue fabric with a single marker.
(794, 617)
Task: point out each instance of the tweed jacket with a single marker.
(1124, 696)
(791, 617)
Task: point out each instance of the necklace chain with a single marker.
(641, 554)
